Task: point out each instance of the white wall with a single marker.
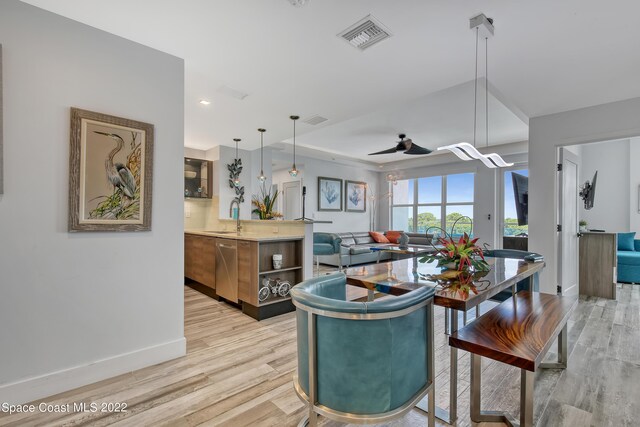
(77, 308)
(611, 208)
(634, 185)
(311, 169)
(615, 120)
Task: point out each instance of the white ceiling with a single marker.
(547, 56)
(441, 118)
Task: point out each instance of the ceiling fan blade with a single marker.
(389, 151)
(417, 150)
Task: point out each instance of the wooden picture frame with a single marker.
(329, 194)
(110, 173)
(355, 196)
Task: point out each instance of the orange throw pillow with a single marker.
(378, 237)
(393, 236)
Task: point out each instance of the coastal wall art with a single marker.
(329, 194)
(110, 173)
(355, 196)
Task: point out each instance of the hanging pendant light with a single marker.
(261, 177)
(236, 179)
(464, 150)
(294, 172)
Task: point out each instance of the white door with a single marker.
(292, 200)
(568, 221)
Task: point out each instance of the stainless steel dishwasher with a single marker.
(227, 269)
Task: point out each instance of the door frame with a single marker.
(564, 154)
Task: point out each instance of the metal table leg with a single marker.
(447, 313)
(450, 416)
(562, 352)
(453, 373)
(370, 295)
(526, 396)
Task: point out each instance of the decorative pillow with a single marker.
(625, 241)
(378, 237)
(393, 236)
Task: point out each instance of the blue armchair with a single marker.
(326, 244)
(362, 362)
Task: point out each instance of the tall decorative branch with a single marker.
(235, 169)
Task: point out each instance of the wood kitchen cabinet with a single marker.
(199, 259)
(248, 272)
(241, 271)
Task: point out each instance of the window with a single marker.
(510, 214)
(435, 201)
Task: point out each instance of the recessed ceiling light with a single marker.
(205, 102)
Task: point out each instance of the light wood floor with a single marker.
(238, 372)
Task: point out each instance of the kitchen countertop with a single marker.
(252, 236)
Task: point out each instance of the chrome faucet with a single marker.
(237, 203)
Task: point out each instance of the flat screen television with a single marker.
(588, 192)
(521, 197)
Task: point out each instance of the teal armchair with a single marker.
(362, 362)
(326, 244)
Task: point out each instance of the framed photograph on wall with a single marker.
(329, 194)
(110, 173)
(355, 196)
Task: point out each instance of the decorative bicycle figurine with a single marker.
(273, 287)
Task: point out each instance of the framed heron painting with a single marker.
(110, 169)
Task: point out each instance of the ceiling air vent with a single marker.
(315, 120)
(233, 93)
(365, 33)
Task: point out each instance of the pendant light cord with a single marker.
(486, 86)
(475, 94)
(294, 142)
(261, 149)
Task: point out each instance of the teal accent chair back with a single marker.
(363, 362)
(326, 244)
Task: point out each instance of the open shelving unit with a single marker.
(259, 267)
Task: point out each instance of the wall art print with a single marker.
(110, 173)
(355, 196)
(329, 194)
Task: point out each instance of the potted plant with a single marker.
(461, 255)
(264, 204)
(583, 225)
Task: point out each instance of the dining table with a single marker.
(456, 291)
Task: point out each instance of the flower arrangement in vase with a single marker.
(264, 204)
(462, 255)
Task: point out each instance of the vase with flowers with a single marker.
(264, 204)
(462, 254)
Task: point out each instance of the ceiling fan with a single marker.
(405, 145)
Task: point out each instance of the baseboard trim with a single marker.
(39, 387)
